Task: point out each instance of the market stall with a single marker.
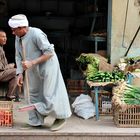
(98, 74)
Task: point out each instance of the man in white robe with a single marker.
(48, 94)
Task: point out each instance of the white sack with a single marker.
(84, 107)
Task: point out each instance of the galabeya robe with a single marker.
(46, 85)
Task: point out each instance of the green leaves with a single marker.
(106, 76)
(132, 95)
(88, 63)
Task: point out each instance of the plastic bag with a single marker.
(84, 107)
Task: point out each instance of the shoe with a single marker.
(27, 127)
(10, 98)
(58, 124)
(49, 121)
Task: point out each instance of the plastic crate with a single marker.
(6, 113)
(130, 118)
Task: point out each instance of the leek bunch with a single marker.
(131, 95)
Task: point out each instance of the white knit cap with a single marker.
(19, 20)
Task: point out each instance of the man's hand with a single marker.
(20, 80)
(27, 64)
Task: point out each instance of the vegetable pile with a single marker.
(89, 64)
(132, 95)
(127, 94)
(106, 76)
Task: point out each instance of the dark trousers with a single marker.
(9, 76)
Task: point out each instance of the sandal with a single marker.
(10, 98)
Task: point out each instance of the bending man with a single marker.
(46, 85)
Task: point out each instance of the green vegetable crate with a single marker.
(130, 118)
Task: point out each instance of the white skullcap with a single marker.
(19, 20)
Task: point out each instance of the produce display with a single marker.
(89, 64)
(100, 76)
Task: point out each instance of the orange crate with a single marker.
(6, 113)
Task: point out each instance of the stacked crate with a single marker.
(6, 113)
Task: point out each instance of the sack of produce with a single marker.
(84, 107)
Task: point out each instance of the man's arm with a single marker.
(41, 59)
